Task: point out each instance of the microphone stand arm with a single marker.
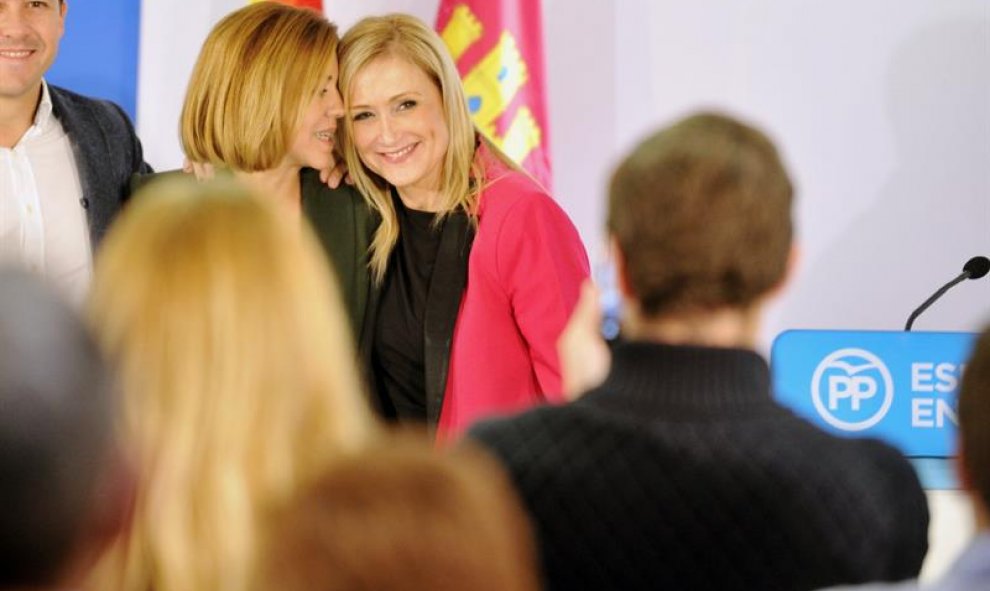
(910, 321)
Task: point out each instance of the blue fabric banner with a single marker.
(98, 55)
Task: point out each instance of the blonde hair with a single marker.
(258, 69)
(462, 175)
(238, 374)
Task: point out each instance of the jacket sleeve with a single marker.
(122, 134)
(541, 262)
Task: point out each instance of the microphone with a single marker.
(974, 268)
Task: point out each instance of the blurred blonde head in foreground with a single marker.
(239, 382)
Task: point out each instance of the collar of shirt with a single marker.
(43, 119)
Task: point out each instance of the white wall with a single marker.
(881, 108)
(172, 32)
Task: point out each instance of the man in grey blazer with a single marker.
(65, 160)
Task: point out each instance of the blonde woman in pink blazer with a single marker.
(476, 268)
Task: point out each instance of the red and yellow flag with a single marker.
(498, 48)
(314, 4)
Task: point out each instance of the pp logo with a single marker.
(852, 389)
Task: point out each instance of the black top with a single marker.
(682, 472)
(397, 356)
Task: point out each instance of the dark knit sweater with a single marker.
(681, 472)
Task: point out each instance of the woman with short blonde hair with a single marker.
(257, 71)
(262, 106)
(238, 377)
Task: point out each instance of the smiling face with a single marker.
(398, 124)
(30, 31)
(312, 144)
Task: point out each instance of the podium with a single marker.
(897, 386)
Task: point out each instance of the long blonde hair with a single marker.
(238, 374)
(258, 69)
(462, 175)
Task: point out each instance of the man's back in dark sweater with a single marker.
(681, 472)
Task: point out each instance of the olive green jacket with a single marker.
(344, 223)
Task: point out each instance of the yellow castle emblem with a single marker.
(492, 84)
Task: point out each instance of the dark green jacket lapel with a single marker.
(344, 224)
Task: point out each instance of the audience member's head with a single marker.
(257, 73)
(701, 215)
(400, 517)
(56, 447)
(974, 427)
(238, 374)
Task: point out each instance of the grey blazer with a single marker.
(107, 153)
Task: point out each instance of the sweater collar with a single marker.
(653, 378)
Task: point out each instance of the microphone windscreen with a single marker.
(977, 267)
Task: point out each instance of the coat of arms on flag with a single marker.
(497, 45)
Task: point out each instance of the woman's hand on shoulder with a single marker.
(332, 177)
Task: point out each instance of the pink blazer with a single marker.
(524, 273)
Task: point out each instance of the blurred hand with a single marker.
(203, 171)
(584, 356)
(335, 175)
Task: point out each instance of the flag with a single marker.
(498, 48)
(314, 4)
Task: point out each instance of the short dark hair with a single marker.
(55, 430)
(701, 211)
(974, 418)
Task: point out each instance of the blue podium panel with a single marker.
(897, 386)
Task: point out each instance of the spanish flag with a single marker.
(498, 48)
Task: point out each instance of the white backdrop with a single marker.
(881, 108)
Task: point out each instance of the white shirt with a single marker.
(42, 222)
